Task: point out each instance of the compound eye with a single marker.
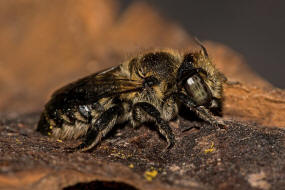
(197, 90)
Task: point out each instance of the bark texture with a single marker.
(45, 44)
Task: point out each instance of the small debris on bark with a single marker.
(56, 42)
(243, 156)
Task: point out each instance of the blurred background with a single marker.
(256, 29)
(49, 43)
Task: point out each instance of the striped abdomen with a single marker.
(69, 123)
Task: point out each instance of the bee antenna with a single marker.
(201, 45)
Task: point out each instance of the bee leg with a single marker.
(100, 128)
(201, 111)
(155, 115)
(207, 116)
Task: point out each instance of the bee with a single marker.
(150, 87)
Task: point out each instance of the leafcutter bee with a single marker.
(150, 87)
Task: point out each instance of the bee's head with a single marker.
(198, 77)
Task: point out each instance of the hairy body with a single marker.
(147, 88)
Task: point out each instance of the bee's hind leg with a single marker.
(100, 128)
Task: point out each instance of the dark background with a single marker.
(253, 28)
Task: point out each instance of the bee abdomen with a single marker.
(44, 124)
(66, 124)
(75, 131)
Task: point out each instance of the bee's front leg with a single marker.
(100, 128)
(150, 113)
(201, 111)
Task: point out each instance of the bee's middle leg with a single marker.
(151, 113)
(100, 128)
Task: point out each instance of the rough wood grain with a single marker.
(45, 44)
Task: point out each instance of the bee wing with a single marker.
(92, 88)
